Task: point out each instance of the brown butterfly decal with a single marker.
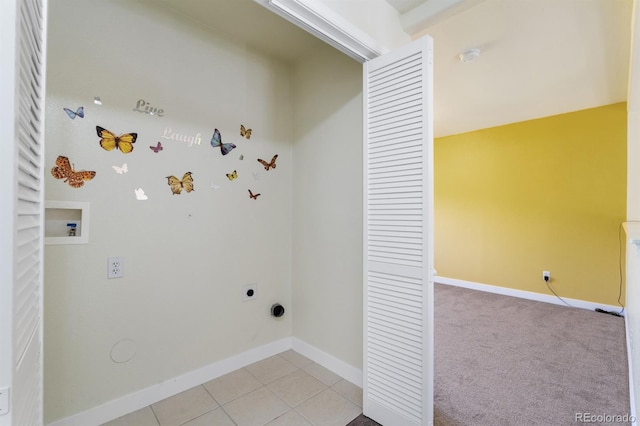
(63, 170)
(178, 185)
(252, 195)
(244, 132)
(271, 165)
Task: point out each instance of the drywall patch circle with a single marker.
(123, 351)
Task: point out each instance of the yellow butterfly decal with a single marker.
(63, 170)
(233, 175)
(271, 165)
(109, 141)
(245, 132)
(178, 185)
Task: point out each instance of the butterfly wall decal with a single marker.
(121, 170)
(110, 141)
(63, 170)
(140, 195)
(73, 114)
(216, 141)
(245, 132)
(178, 185)
(252, 195)
(156, 148)
(233, 175)
(270, 165)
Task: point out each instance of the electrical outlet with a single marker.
(115, 267)
(250, 292)
(546, 276)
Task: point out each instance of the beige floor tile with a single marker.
(297, 387)
(329, 408)
(231, 386)
(326, 376)
(216, 417)
(290, 418)
(271, 369)
(350, 391)
(184, 406)
(295, 358)
(256, 408)
(142, 417)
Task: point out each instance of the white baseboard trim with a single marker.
(140, 399)
(576, 303)
(632, 396)
(341, 368)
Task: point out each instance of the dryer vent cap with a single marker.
(277, 310)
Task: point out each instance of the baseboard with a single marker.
(341, 368)
(576, 303)
(140, 399)
(632, 397)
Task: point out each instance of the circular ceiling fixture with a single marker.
(469, 55)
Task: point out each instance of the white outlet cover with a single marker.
(115, 267)
(246, 289)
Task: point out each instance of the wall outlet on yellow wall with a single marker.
(546, 276)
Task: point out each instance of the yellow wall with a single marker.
(546, 194)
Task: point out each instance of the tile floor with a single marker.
(287, 389)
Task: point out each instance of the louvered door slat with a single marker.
(400, 146)
(398, 367)
(405, 375)
(397, 119)
(398, 106)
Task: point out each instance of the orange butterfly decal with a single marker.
(63, 170)
(110, 141)
(271, 165)
(252, 195)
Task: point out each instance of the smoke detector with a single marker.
(469, 55)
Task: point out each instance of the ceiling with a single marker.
(538, 57)
(404, 6)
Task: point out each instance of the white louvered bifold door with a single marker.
(22, 210)
(398, 236)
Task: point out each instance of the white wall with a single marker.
(327, 206)
(632, 320)
(632, 281)
(186, 257)
(632, 227)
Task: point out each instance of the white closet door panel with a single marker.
(398, 234)
(22, 347)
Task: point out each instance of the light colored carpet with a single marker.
(501, 360)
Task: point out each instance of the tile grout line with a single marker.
(154, 414)
(220, 406)
(297, 368)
